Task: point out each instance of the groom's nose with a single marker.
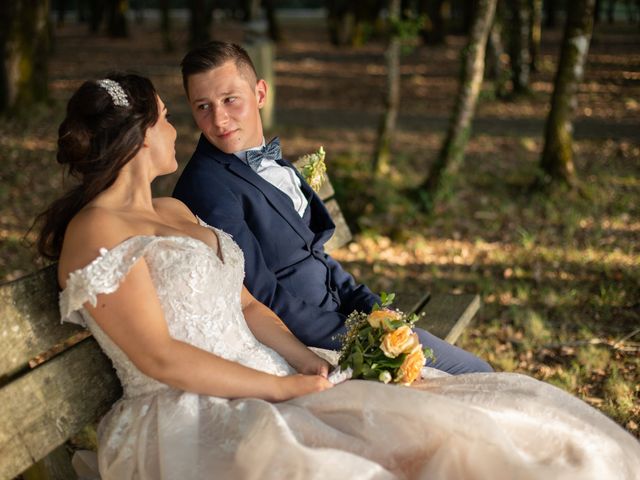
(220, 117)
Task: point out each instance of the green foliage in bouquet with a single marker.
(314, 168)
(383, 346)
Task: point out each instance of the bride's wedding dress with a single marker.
(489, 426)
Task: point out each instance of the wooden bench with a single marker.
(54, 379)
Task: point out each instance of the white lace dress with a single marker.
(485, 426)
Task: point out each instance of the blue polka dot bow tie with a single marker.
(271, 151)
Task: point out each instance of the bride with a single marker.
(216, 386)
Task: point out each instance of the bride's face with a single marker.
(161, 139)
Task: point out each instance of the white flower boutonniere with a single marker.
(314, 168)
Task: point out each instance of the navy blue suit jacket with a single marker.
(286, 267)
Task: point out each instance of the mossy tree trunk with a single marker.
(535, 34)
(497, 67)
(386, 129)
(451, 154)
(556, 163)
(519, 45)
(25, 42)
(117, 18)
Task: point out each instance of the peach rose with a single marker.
(411, 367)
(400, 340)
(376, 318)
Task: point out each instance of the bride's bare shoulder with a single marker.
(90, 230)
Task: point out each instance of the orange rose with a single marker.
(401, 340)
(376, 318)
(411, 367)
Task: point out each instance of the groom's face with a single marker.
(225, 103)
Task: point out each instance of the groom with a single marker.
(236, 182)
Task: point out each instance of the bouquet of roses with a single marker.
(382, 345)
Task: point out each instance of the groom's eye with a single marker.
(204, 106)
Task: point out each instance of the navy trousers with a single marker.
(450, 358)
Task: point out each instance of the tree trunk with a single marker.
(497, 68)
(380, 164)
(165, 25)
(519, 45)
(96, 14)
(25, 45)
(338, 21)
(200, 22)
(434, 31)
(452, 152)
(117, 26)
(275, 33)
(550, 10)
(597, 14)
(611, 10)
(535, 34)
(557, 157)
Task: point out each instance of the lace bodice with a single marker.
(199, 307)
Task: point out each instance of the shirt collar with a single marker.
(242, 154)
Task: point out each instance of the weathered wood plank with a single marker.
(411, 303)
(447, 315)
(42, 409)
(29, 319)
(55, 466)
(342, 235)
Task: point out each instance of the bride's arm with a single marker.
(133, 318)
(271, 331)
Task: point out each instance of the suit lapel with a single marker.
(278, 200)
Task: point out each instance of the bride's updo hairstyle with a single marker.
(104, 129)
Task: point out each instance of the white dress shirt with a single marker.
(283, 178)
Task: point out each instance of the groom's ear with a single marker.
(261, 92)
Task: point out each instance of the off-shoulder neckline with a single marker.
(103, 251)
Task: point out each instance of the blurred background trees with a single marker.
(557, 268)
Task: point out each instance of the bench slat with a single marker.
(342, 234)
(29, 319)
(447, 315)
(42, 409)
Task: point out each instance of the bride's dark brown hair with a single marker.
(95, 140)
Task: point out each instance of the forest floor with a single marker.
(558, 272)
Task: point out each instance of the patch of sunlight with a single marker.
(30, 144)
(564, 379)
(534, 326)
(619, 181)
(593, 357)
(620, 391)
(582, 256)
(530, 144)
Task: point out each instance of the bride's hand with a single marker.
(293, 386)
(312, 364)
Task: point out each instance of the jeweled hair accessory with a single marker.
(116, 92)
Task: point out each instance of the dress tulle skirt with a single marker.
(478, 426)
